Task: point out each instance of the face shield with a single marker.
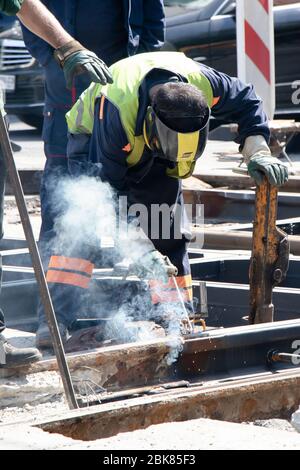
(181, 150)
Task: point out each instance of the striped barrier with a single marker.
(255, 48)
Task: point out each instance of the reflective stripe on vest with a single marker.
(167, 293)
(75, 272)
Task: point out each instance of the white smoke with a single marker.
(87, 214)
(88, 217)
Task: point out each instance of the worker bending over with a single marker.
(143, 134)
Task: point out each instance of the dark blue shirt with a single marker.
(110, 42)
(143, 21)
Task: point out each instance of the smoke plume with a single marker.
(89, 223)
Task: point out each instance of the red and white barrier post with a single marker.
(255, 48)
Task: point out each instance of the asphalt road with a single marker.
(30, 154)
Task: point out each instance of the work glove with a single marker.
(75, 60)
(260, 161)
(154, 266)
(10, 7)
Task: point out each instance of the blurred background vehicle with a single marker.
(20, 75)
(205, 30)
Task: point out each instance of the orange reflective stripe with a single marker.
(101, 107)
(74, 264)
(182, 281)
(163, 293)
(215, 101)
(127, 148)
(60, 277)
(167, 296)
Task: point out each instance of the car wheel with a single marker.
(32, 120)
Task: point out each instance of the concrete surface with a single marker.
(197, 434)
(31, 155)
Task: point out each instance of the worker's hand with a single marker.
(10, 7)
(155, 266)
(260, 162)
(262, 165)
(75, 60)
(86, 62)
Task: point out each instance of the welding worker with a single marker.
(143, 134)
(74, 59)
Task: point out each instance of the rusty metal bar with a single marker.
(37, 264)
(270, 254)
(236, 401)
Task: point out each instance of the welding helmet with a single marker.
(180, 150)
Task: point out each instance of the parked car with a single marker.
(205, 30)
(20, 74)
